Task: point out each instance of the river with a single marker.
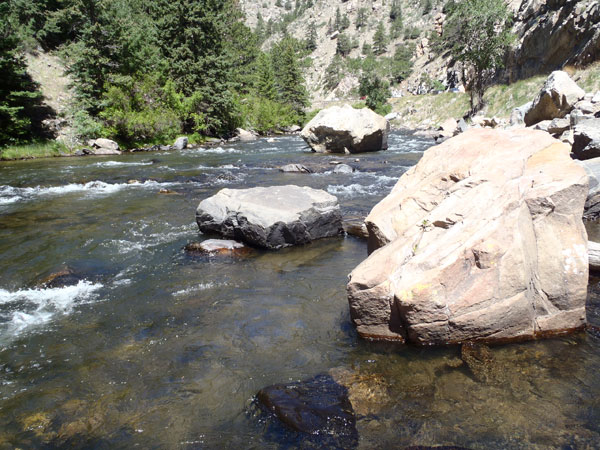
(155, 348)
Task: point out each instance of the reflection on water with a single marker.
(156, 348)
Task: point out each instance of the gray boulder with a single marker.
(180, 143)
(271, 217)
(586, 139)
(294, 168)
(591, 210)
(244, 135)
(556, 99)
(517, 116)
(346, 130)
(104, 147)
(559, 126)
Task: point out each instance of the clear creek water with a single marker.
(159, 349)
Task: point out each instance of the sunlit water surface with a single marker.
(159, 349)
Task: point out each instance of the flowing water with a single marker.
(154, 348)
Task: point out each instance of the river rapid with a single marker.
(155, 348)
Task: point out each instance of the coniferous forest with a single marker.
(143, 72)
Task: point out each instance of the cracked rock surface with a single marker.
(481, 240)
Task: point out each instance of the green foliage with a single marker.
(18, 93)
(344, 45)
(412, 32)
(395, 11)
(140, 111)
(401, 64)
(40, 149)
(480, 33)
(311, 38)
(288, 76)
(266, 116)
(361, 17)
(334, 73)
(380, 40)
(426, 5)
(377, 92)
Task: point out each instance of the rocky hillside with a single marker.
(551, 34)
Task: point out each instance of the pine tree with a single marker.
(260, 27)
(311, 38)
(265, 77)
(380, 40)
(344, 45)
(192, 40)
(337, 25)
(401, 65)
(18, 94)
(288, 76)
(361, 17)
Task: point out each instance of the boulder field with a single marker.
(343, 129)
(481, 240)
(271, 217)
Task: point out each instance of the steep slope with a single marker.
(551, 34)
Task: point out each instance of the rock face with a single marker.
(586, 139)
(555, 100)
(346, 130)
(271, 217)
(482, 240)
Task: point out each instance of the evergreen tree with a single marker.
(380, 40)
(334, 73)
(260, 27)
(401, 64)
(192, 41)
(337, 25)
(265, 77)
(361, 17)
(288, 76)
(311, 38)
(344, 45)
(97, 53)
(18, 94)
(395, 10)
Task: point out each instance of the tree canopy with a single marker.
(479, 31)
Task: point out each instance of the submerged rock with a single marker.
(271, 217)
(480, 361)
(62, 278)
(346, 130)
(218, 247)
(317, 406)
(343, 168)
(481, 240)
(555, 100)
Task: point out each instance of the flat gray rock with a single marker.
(271, 217)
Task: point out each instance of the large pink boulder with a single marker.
(481, 240)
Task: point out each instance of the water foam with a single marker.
(30, 307)
(10, 194)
